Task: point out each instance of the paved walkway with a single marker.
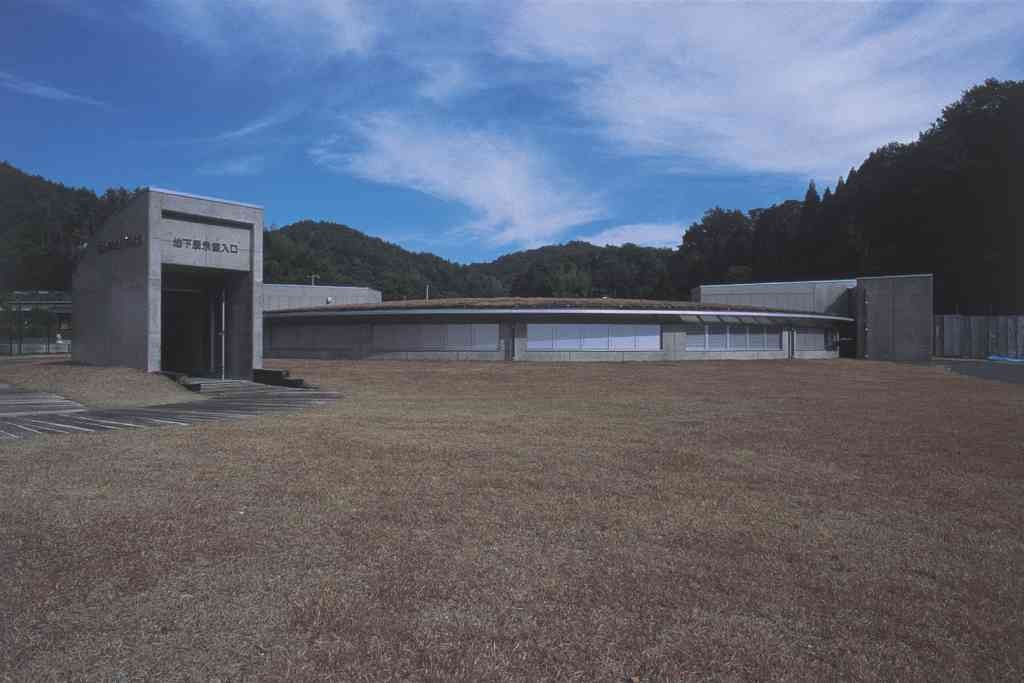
(25, 414)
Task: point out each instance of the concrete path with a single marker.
(1012, 373)
(14, 403)
(25, 414)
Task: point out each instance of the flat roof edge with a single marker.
(299, 284)
(370, 312)
(784, 282)
(175, 193)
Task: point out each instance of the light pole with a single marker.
(313, 279)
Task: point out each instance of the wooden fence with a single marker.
(979, 336)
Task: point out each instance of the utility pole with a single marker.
(428, 292)
(313, 279)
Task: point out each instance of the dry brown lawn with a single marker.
(92, 386)
(736, 520)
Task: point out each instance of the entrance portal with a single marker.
(193, 326)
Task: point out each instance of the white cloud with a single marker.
(646, 234)
(515, 194)
(444, 80)
(241, 166)
(46, 92)
(306, 28)
(767, 87)
(257, 125)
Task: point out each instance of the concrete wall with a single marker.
(354, 339)
(979, 336)
(240, 226)
(824, 296)
(280, 297)
(111, 306)
(350, 338)
(118, 283)
(894, 317)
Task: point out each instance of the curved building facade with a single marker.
(549, 330)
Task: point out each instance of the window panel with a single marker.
(648, 337)
(738, 338)
(695, 339)
(810, 340)
(540, 337)
(595, 337)
(460, 337)
(431, 337)
(773, 338)
(622, 338)
(567, 337)
(485, 337)
(756, 337)
(716, 337)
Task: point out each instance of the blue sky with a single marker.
(475, 129)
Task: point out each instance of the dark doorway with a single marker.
(192, 310)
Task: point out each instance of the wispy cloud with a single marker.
(444, 80)
(513, 190)
(646, 234)
(258, 125)
(304, 28)
(47, 92)
(240, 166)
(765, 87)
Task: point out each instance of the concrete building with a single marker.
(549, 330)
(173, 283)
(278, 297)
(893, 312)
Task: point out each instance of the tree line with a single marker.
(950, 203)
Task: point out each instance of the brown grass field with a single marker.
(714, 520)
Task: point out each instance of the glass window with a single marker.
(738, 338)
(460, 337)
(590, 337)
(810, 340)
(773, 338)
(485, 337)
(622, 338)
(540, 337)
(648, 337)
(567, 337)
(595, 337)
(695, 338)
(431, 337)
(756, 337)
(716, 337)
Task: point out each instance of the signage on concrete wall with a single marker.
(204, 246)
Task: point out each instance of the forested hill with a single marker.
(339, 254)
(41, 225)
(951, 203)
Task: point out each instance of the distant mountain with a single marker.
(340, 255)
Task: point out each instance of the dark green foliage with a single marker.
(42, 223)
(341, 255)
(951, 203)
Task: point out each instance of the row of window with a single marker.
(733, 338)
(592, 337)
(436, 337)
